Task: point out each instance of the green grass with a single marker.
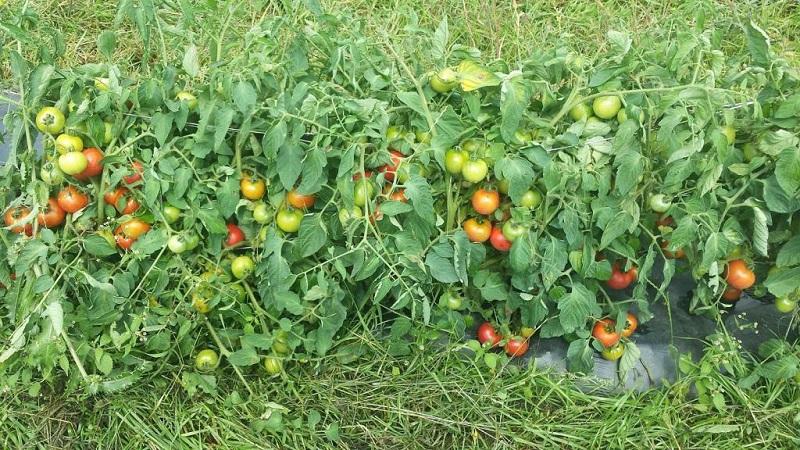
(435, 398)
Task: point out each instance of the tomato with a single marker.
(512, 230)
(785, 304)
(300, 201)
(580, 111)
(242, 267)
(485, 202)
(132, 228)
(530, 199)
(347, 215)
(487, 333)
(358, 175)
(477, 229)
(613, 353)
(72, 163)
(738, 275)
(607, 106)
(138, 170)
(71, 200)
(288, 219)
(631, 323)
(129, 204)
(498, 240)
(605, 333)
(51, 174)
(423, 137)
(729, 132)
(280, 343)
(13, 219)
(54, 216)
(94, 164)
(364, 191)
(394, 133)
(620, 279)
(262, 213)
(473, 146)
(659, 203)
(180, 243)
(389, 170)
(273, 365)
(50, 120)
(444, 80)
(677, 254)
(188, 98)
(252, 187)
(66, 143)
(664, 221)
(454, 161)
(206, 360)
(749, 151)
(451, 300)
(731, 295)
(398, 196)
(516, 347)
(475, 171)
(171, 214)
(502, 186)
(235, 235)
(235, 292)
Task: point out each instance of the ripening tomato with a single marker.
(477, 229)
(454, 161)
(607, 106)
(738, 275)
(605, 333)
(66, 143)
(206, 360)
(138, 170)
(498, 240)
(613, 353)
(474, 171)
(13, 219)
(94, 164)
(300, 201)
(235, 235)
(71, 200)
(619, 279)
(129, 231)
(389, 170)
(252, 187)
(631, 323)
(516, 347)
(677, 254)
(487, 333)
(485, 202)
(289, 219)
(50, 120)
(54, 216)
(665, 221)
(129, 204)
(731, 295)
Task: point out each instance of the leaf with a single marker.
(32, 251)
(514, 99)
(760, 231)
(97, 246)
(577, 307)
(162, 125)
(615, 228)
(331, 314)
(554, 260)
(491, 285)
(787, 171)
(413, 101)
(55, 312)
(312, 235)
(244, 357)
(776, 199)
(212, 220)
(757, 44)
(789, 254)
(783, 282)
(579, 356)
(440, 266)
(151, 241)
(473, 76)
(106, 43)
(418, 192)
(630, 359)
(244, 96)
(621, 41)
(190, 63)
(519, 173)
(439, 41)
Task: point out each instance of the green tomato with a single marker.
(66, 143)
(206, 360)
(512, 230)
(451, 300)
(749, 151)
(659, 203)
(177, 244)
(475, 171)
(364, 191)
(607, 106)
(280, 343)
(454, 161)
(50, 120)
(242, 267)
(171, 214)
(51, 174)
(188, 98)
(614, 353)
(729, 132)
(72, 163)
(236, 292)
(502, 186)
(473, 146)
(108, 133)
(530, 199)
(273, 365)
(288, 219)
(394, 133)
(423, 137)
(262, 214)
(622, 116)
(785, 305)
(347, 215)
(580, 111)
(444, 81)
(192, 240)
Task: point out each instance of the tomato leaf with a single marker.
(758, 44)
(312, 235)
(760, 231)
(579, 356)
(331, 313)
(576, 307)
(190, 63)
(783, 282)
(789, 254)
(514, 98)
(98, 246)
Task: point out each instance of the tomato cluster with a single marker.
(610, 339)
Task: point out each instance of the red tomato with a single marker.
(389, 170)
(235, 235)
(131, 205)
(677, 254)
(498, 239)
(516, 347)
(300, 201)
(487, 332)
(138, 170)
(731, 295)
(620, 279)
(71, 200)
(631, 323)
(94, 156)
(358, 175)
(478, 230)
(485, 202)
(738, 275)
(604, 332)
(127, 233)
(13, 218)
(54, 216)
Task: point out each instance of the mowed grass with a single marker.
(434, 398)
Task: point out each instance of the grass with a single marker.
(434, 398)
